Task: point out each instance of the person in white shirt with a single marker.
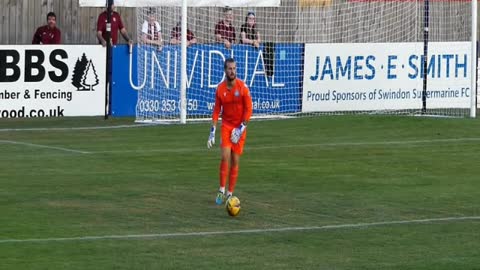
(151, 32)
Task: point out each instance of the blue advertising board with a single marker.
(274, 76)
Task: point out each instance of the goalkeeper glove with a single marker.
(211, 138)
(237, 133)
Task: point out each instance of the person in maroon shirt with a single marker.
(117, 25)
(176, 35)
(48, 34)
(224, 30)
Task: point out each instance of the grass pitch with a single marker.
(310, 172)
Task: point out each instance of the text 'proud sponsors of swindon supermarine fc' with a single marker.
(382, 76)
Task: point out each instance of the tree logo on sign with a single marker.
(84, 77)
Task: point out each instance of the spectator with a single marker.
(48, 34)
(116, 24)
(151, 32)
(176, 35)
(224, 30)
(248, 32)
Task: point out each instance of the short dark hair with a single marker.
(228, 61)
(227, 9)
(109, 3)
(51, 14)
(150, 11)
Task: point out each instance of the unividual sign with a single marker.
(49, 81)
(150, 77)
(161, 68)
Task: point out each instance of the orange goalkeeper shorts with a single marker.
(226, 142)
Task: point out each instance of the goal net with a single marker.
(309, 57)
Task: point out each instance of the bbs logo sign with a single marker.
(34, 69)
(52, 81)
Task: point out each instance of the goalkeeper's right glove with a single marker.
(211, 138)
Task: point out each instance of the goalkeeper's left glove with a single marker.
(237, 133)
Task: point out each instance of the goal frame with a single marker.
(473, 86)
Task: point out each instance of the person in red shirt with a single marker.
(117, 25)
(224, 29)
(48, 34)
(233, 99)
(176, 35)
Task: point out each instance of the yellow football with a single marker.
(233, 206)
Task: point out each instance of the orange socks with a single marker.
(233, 178)
(223, 173)
(223, 176)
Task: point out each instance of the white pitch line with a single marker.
(250, 148)
(370, 143)
(44, 146)
(249, 231)
(198, 149)
(75, 128)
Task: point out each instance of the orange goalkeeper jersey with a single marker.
(235, 104)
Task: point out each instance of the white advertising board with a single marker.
(385, 76)
(52, 81)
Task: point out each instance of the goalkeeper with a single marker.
(234, 101)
